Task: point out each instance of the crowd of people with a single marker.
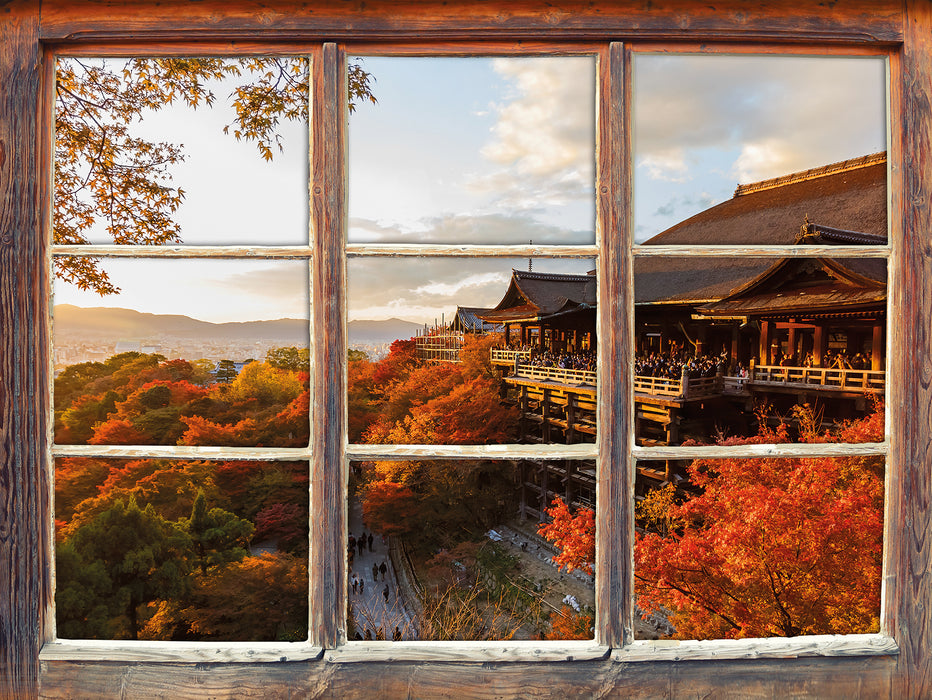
(574, 360)
(671, 365)
(832, 360)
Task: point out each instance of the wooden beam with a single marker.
(25, 593)
(328, 485)
(851, 22)
(908, 532)
(615, 481)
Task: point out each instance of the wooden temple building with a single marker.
(780, 332)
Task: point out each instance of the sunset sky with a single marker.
(489, 150)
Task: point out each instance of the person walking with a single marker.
(382, 569)
(375, 572)
(385, 592)
(370, 541)
(355, 583)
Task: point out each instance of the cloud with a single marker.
(667, 165)
(690, 204)
(457, 286)
(774, 114)
(422, 289)
(285, 282)
(501, 229)
(543, 140)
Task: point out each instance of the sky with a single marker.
(489, 150)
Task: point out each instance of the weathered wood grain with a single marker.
(908, 582)
(24, 552)
(756, 451)
(614, 515)
(844, 21)
(370, 452)
(182, 251)
(183, 452)
(24, 507)
(840, 677)
(776, 648)
(764, 251)
(84, 650)
(327, 567)
(466, 652)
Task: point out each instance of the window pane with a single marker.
(202, 151)
(773, 350)
(475, 351)
(190, 352)
(732, 548)
(181, 550)
(802, 138)
(465, 551)
(474, 150)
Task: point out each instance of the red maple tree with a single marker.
(772, 546)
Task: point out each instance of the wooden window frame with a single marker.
(896, 663)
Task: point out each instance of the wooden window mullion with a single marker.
(614, 521)
(326, 568)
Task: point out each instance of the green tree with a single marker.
(291, 358)
(124, 558)
(217, 535)
(226, 371)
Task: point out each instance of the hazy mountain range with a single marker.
(126, 324)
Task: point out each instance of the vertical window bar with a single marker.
(327, 571)
(614, 524)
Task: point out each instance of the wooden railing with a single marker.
(501, 356)
(658, 386)
(816, 377)
(860, 380)
(556, 374)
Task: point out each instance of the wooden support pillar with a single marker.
(877, 361)
(522, 418)
(571, 419)
(763, 357)
(545, 415)
(544, 501)
(819, 345)
(522, 489)
(791, 349)
(735, 355)
(569, 490)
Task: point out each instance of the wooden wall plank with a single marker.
(328, 359)
(784, 678)
(909, 525)
(24, 583)
(847, 21)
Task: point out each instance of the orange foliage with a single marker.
(205, 432)
(569, 624)
(772, 547)
(390, 508)
(118, 431)
(574, 535)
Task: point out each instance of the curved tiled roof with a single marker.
(850, 195)
(846, 200)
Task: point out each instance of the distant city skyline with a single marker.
(488, 150)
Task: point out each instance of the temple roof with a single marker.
(808, 286)
(850, 195)
(532, 296)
